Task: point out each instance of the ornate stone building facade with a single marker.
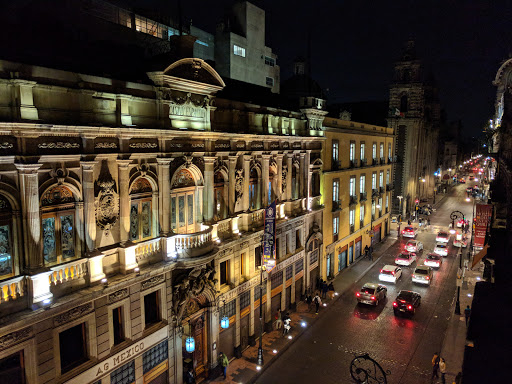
(414, 116)
(131, 217)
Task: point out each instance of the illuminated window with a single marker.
(374, 150)
(238, 51)
(381, 150)
(363, 154)
(352, 186)
(335, 151)
(6, 239)
(352, 217)
(387, 177)
(140, 210)
(362, 184)
(381, 178)
(374, 180)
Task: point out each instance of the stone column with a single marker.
(302, 173)
(124, 200)
(29, 192)
(289, 177)
(247, 177)
(279, 184)
(164, 194)
(308, 190)
(79, 220)
(231, 185)
(89, 205)
(265, 163)
(208, 201)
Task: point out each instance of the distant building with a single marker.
(414, 116)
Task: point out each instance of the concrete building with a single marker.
(414, 117)
(356, 190)
(240, 50)
(131, 218)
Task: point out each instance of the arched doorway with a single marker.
(195, 325)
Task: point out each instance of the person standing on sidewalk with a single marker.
(442, 369)
(366, 251)
(224, 362)
(317, 300)
(279, 319)
(467, 314)
(435, 366)
(309, 301)
(331, 290)
(325, 288)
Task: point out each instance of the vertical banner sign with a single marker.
(269, 238)
(483, 218)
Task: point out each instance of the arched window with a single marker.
(58, 225)
(403, 104)
(6, 240)
(253, 189)
(140, 210)
(183, 208)
(218, 195)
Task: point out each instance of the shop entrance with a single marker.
(195, 325)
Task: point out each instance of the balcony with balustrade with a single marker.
(353, 200)
(362, 196)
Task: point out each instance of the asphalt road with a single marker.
(404, 346)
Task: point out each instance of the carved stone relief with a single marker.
(118, 295)
(107, 200)
(283, 179)
(239, 185)
(72, 314)
(15, 337)
(155, 280)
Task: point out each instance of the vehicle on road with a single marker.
(469, 190)
(372, 294)
(405, 258)
(460, 240)
(441, 249)
(443, 237)
(409, 232)
(462, 222)
(433, 260)
(414, 246)
(462, 181)
(422, 275)
(390, 273)
(406, 302)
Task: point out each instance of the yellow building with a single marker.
(356, 191)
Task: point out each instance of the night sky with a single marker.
(355, 43)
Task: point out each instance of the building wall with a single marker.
(345, 133)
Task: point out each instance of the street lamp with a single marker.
(454, 216)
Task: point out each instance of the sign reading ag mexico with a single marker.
(269, 238)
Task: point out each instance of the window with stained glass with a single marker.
(58, 225)
(124, 374)
(140, 210)
(6, 255)
(154, 356)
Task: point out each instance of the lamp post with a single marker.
(454, 216)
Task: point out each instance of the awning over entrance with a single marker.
(479, 256)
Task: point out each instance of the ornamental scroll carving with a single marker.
(58, 145)
(189, 106)
(195, 283)
(239, 185)
(118, 295)
(107, 200)
(72, 314)
(151, 282)
(143, 145)
(6, 145)
(15, 337)
(283, 178)
(105, 145)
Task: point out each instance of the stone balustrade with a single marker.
(190, 244)
(257, 218)
(12, 289)
(147, 250)
(69, 271)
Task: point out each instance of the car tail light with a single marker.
(409, 307)
(402, 301)
(393, 273)
(381, 271)
(373, 297)
(428, 277)
(413, 275)
(358, 294)
(395, 304)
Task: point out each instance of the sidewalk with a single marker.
(244, 370)
(455, 338)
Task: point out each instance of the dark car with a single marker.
(406, 302)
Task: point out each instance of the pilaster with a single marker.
(265, 165)
(247, 177)
(231, 185)
(89, 205)
(124, 197)
(164, 188)
(289, 160)
(279, 161)
(208, 201)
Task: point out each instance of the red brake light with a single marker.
(413, 275)
(393, 273)
(373, 297)
(409, 307)
(395, 304)
(428, 277)
(358, 294)
(381, 271)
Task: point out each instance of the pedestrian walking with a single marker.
(279, 320)
(442, 369)
(366, 251)
(309, 301)
(467, 314)
(286, 320)
(331, 290)
(189, 376)
(318, 301)
(435, 366)
(325, 288)
(224, 362)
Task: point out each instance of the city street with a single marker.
(404, 346)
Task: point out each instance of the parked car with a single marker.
(433, 260)
(443, 237)
(414, 246)
(405, 258)
(406, 302)
(371, 294)
(422, 275)
(441, 249)
(390, 273)
(409, 232)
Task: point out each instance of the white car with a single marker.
(414, 246)
(405, 258)
(433, 260)
(409, 232)
(422, 275)
(441, 249)
(390, 273)
(443, 237)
